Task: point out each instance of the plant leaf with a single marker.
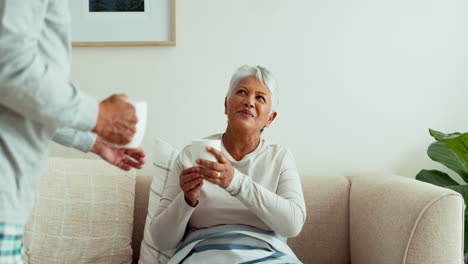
(440, 152)
(455, 141)
(436, 177)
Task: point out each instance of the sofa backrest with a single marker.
(324, 237)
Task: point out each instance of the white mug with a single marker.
(199, 149)
(141, 109)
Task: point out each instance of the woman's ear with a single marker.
(225, 105)
(271, 118)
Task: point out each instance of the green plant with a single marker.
(450, 150)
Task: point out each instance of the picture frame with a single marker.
(112, 23)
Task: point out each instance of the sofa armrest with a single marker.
(400, 220)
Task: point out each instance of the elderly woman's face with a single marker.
(249, 105)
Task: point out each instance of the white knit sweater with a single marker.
(265, 193)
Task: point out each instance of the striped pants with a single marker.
(11, 246)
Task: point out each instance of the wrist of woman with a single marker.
(192, 204)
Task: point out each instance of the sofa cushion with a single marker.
(163, 157)
(83, 214)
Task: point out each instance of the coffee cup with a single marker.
(199, 149)
(141, 110)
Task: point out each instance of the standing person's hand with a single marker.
(116, 120)
(191, 182)
(122, 158)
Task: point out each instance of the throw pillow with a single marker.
(83, 214)
(162, 159)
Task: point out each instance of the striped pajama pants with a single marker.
(11, 246)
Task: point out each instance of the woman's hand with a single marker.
(219, 173)
(191, 182)
(122, 158)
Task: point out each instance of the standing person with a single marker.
(38, 104)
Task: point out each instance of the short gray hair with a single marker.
(263, 75)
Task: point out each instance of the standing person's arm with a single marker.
(28, 84)
(122, 158)
(37, 87)
(80, 140)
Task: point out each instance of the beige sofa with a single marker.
(364, 219)
(85, 209)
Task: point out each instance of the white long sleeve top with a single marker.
(265, 192)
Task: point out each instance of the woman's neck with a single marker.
(240, 143)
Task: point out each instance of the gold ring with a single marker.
(219, 174)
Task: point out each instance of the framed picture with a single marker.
(123, 22)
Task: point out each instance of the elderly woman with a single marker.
(240, 208)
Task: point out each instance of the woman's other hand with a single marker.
(191, 182)
(219, 173)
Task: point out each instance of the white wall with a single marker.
(361, 81)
